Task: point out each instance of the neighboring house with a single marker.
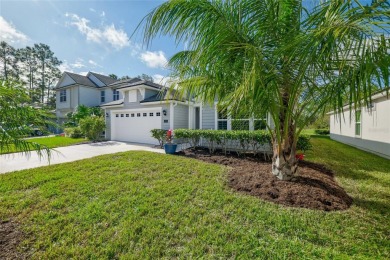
(133, 107)
(91, 90)
(367, 128)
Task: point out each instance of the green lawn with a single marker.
(51, 142)
(140, 205)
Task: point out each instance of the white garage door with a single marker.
(135, 125)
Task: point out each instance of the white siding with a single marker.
(375, 128)
(66, 81)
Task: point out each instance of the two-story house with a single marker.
(91, 90)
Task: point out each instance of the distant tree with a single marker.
(8, 61)
(48, 67)
(29, 67)
(145, 77)
(125, 77)
(113, 76)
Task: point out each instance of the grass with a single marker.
(50, 142)
(138, 205)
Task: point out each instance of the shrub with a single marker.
(303, 143)
(322, 131)
(92, 127)
(160, 135)
(245, 140)
(73, 132)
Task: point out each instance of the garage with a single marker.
(135, 125)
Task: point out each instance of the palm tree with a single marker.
(277, 56)
(16, 118)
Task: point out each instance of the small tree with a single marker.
(92, 127)
(16, 115)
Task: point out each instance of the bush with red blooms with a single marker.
(300, 156)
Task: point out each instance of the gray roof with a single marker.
(103, 78)
(124, 81)
(142, 82)
(80, 79)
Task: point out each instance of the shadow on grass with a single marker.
(376, 206)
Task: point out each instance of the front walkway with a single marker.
(19, 161)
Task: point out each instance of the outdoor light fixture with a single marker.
(164, 112)
(107, 115)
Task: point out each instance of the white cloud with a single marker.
(154, 59)
(94, 64)
(117, 38)
(78, 64)
(92, 10)
(10, 34)
(163, 80)
(102, 14)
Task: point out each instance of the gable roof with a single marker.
(80, 79)
(103, 78)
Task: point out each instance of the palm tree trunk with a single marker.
(284, 162)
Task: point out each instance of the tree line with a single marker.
(35, 67)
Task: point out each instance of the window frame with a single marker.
(115, 95)
(63, 95)
(102, 96)
(358, 123)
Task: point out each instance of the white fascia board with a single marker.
(108, 107)
(374, 97)
(136, 110)
(167, 102)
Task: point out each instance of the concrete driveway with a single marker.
(19, 161)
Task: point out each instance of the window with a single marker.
(222, 120)
(158, 114)
(63, 95)
(117, 115)
(122, 115)
(102, 96)
(138, 114)
(132, 114)
(127, 115)
(358, 125)
(115, 95)
(150, 114)
(145, 114)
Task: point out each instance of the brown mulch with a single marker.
(10, 237)
(314, 186)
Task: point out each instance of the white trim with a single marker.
(171, 116)
(201, 116)
(166, 102)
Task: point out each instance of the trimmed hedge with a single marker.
(322, 131)
(243, 139)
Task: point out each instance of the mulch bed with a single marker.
(10, 237)
(314, 186)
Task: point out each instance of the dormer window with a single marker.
(115, 95)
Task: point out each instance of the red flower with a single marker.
(169, 136)
(300, 156)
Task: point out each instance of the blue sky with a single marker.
(88, 35)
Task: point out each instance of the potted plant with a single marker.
(170, 148)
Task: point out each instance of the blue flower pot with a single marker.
(170, 148)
